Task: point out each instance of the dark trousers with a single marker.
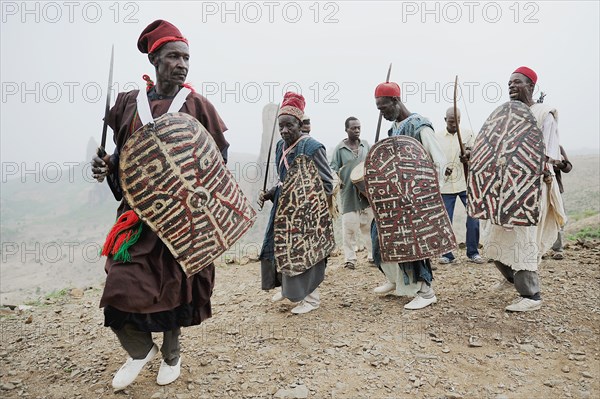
(138, 343)
(472, 224)
(527, 283)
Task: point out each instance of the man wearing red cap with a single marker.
(523, 246)
(150, 292)
(303, 287)
(410, 278)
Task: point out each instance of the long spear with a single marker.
(262, 203)
(380, 114)
(101, 151)
(458, 136)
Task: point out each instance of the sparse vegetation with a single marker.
(590, 233)
(57, 294)
(582, 215)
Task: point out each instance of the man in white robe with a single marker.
(517, 250)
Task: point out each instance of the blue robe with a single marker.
(419, 270)
(298, 287)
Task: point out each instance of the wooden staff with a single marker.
(380, 114)
(262, 203)
(458, 136)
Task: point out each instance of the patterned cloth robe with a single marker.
(151, 291)
(419, 270)
(297, 287)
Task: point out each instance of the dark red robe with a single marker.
(151, 291)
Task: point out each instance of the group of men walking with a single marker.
(146, 289)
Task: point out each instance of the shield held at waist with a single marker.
(174, 178)
(303, 226)
(402, 186)
(505, 173)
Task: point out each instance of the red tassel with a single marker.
(149, 82)
(189, 86)
(126, 221)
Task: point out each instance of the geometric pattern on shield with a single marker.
(303, 225)
(505, 172)
(174, 178)
(403, 189)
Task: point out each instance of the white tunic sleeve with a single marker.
(433, 148)
(551, 139)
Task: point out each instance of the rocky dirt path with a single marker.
(357, 345)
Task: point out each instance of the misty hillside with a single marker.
(54, 224)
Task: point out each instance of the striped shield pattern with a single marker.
(303, 224)
(174, 178)
(505, 171)
(403, 189)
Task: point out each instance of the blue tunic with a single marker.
(297, 287)
(419, 270)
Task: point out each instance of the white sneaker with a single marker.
(277, 297)
(384, 289)
(502, 285)
(130, 370)
(477, 259)
(524, 305)
(304, 307)
(446, 261)
(419, 302)
(167, 374)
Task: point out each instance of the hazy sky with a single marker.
(55, 58)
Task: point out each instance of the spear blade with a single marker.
(101, 151)
(387, 79)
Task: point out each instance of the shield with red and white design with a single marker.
(505, 171)
(403, 189)
(174, 178)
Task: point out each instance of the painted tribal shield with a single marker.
(174, 178)
(403, 189)
(303, 225)
(505, 173)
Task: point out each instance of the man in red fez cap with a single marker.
(387, 99)
(150, 292)
(518, 271)
(302, 287)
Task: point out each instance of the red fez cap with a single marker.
(158, 33)
(387, 89)
(527, 72)
(292, 104)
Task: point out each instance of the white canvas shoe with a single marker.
(304, 307)
(385, 288)
(419, 302)
(524, 305)
(502, 285)
(277, 297)
(167, 374)
(130, 370)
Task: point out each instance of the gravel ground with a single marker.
(356, 345)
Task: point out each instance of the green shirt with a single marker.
(342, 162)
